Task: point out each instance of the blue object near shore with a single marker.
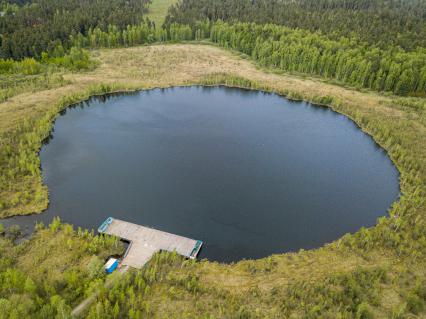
(197, 247)
(111, 265)
(105, 225)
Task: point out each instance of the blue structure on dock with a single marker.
(105, 225)
(196, 249)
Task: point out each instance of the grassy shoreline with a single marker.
(217, 78)
(397, 244)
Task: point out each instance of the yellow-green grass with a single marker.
(15, 84)
(57, 265)
(157, 10)
(397, 244)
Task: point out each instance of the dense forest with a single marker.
(43, 25)
(12, 2)
(375, 44)
(345, 60)
(380, 22)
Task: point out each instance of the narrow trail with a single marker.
(79, 310)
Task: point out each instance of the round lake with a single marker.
(248, 173)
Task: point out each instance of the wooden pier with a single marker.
(145, 242)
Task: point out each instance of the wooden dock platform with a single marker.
(145, 241)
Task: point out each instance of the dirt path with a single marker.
(83, 306)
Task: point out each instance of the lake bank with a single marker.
(395, 246)
(248, 172)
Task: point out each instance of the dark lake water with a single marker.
(249, 173)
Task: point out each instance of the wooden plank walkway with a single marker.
(145, 241)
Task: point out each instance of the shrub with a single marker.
(55, 224)
(398, 312)
(6, 66)
(76, 59)
(13, 232)
(420, 290)
(95, 268)
(363, 311)
(414, 303)
(29, 66)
